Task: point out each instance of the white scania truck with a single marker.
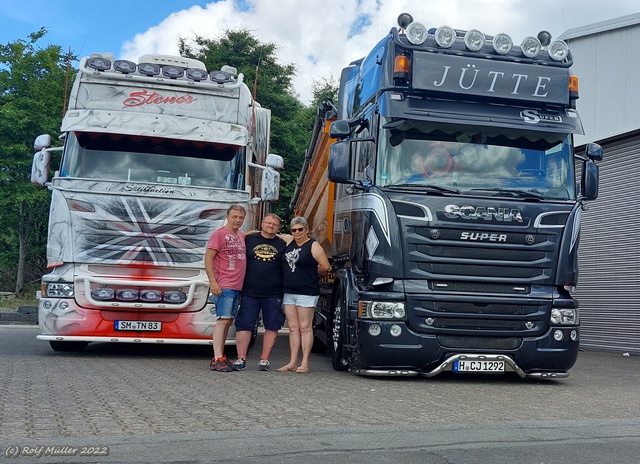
(154, 153)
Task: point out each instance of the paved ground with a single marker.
(152, 396)
(157, 389)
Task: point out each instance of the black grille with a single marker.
(481, 343)
(478, 324)
(475, 308)
(487, 271)
(480, 253)
(476, 287)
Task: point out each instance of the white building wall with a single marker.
(606, 61)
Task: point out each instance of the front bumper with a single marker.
(415, 354)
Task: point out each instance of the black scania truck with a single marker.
(446, 190)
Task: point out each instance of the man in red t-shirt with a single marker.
(226, 262)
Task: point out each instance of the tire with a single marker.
(338, 332)
(68, 346)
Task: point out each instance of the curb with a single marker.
(24, 315)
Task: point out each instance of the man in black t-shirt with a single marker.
(262, 290)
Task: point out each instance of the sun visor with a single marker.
(468, 113)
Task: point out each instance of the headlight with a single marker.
(502, 43)
(416, 33)
(59, 290)
(445, 36)
(382, 310)
(564, 316)
(474, 40)
(558, 50)
(530, 47)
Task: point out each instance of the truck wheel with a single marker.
(338, 335)
(68, 346)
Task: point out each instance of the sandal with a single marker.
(303, 370)
(286, 369)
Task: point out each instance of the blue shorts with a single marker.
(227, 303)
(305, 301)
(272, 314)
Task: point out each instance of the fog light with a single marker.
(557, 334)
(46, 304)
(374, 329)
(395, 330)
(102, 293)
(175, 297)
(574, 335)
(127, 294)
(64, 305)
(150, 296)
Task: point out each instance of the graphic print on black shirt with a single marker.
(264, 266)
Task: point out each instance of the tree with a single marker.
(273, 89)
(32, 84)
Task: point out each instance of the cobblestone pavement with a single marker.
(128, 390)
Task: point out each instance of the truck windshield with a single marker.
(152, 160)
(478, 160)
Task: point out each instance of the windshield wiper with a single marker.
(437, 188)
(514, 192)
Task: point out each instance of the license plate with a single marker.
(479, 366)
(140, 326)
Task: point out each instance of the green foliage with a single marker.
(32, 83)
(273, 89)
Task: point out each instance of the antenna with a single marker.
(66, 82)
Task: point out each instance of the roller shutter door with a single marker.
(609, 280)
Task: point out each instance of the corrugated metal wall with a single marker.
(609, 281)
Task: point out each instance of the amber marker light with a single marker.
(573, 86)
(401, 68)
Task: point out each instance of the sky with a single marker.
(320, 37)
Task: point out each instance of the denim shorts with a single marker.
(272, 314)
(227, 303)
(306, 301)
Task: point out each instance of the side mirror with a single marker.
(40, 167)
(270, 185)
(340, 163)
(339, 129)
(594, 152)
(590, 180)
(42, 141)
(275, 161)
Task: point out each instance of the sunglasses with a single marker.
(300, 229)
